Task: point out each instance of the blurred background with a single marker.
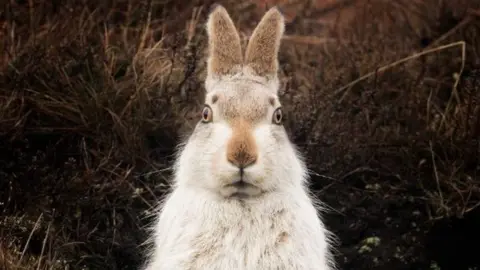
(382, 96)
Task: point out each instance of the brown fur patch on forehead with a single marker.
(248, 104)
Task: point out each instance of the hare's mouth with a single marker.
(241, 188)
(241, 184)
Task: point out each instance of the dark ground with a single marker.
(94, 96)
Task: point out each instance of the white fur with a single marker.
(201, 226)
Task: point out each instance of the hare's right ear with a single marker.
(225, 49)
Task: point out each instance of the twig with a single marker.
(313, 40)
(321, 175)
(139, 195)
(358, 170)
(43, 244)
(192, 24)
(29, 239)
(440, 193)
(455, 85)
(147, 26)
(472, 208)
(416, 55)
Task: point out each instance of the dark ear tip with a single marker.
(280, 10)
(214, 6)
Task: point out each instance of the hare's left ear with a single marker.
(262, 49)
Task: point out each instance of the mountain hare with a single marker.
(239, 199)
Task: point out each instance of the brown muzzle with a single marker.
(241, 148)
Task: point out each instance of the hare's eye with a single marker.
(277, 116)
(207, 114)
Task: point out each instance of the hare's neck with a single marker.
(197, 206)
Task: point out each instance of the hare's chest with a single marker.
(249, 243)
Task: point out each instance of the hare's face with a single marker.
(240, 146)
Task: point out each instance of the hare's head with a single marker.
(240, 147)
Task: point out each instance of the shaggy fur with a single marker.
(239, 199)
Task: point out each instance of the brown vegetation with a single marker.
(382, 97)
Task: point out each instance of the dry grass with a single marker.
(400, 87)
(94, 98)
(89, 112)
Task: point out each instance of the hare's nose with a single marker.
(241, 148)
(242, 159)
